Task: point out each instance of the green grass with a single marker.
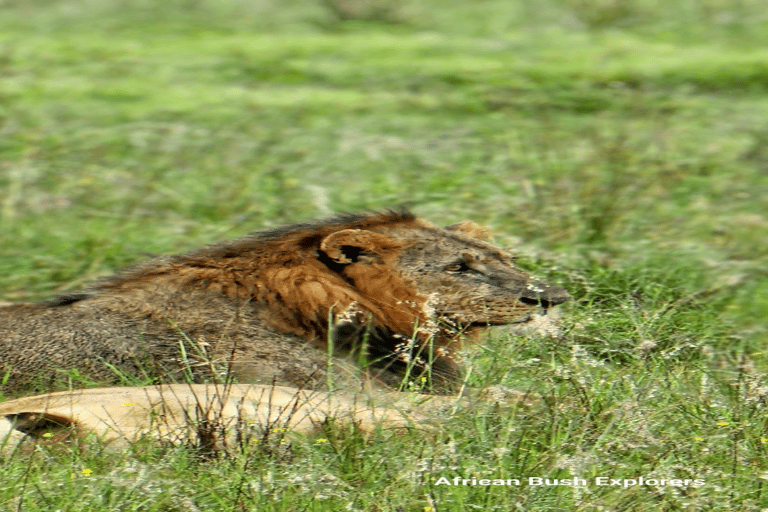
(619, 146)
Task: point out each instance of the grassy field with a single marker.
(620, 147)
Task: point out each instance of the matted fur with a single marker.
(389, 289)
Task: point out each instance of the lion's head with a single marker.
(397, 286)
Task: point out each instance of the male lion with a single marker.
(389, 289)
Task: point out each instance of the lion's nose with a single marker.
(543, 295)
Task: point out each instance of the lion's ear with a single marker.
(353, 245)
(469, 228)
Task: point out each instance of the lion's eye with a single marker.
(457, 267)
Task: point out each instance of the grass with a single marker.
(620, 147)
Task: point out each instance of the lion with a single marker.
(375, 297)
(208, 417)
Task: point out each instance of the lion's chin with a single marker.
(543, 323)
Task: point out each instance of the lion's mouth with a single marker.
(530, 316)
(539, 322)
(499, 323)
(534, 316)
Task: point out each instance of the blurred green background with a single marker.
(624, 126)
(620, 147)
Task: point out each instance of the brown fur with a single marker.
(385, 287)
